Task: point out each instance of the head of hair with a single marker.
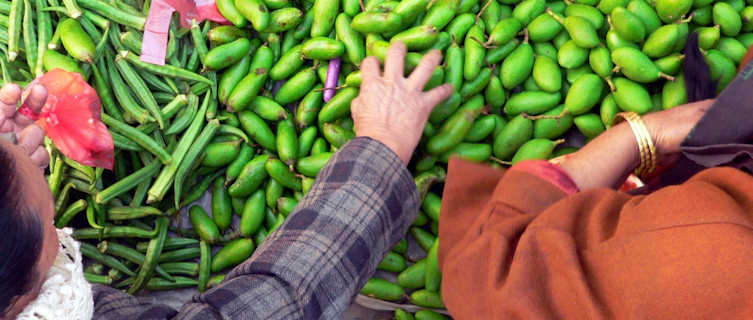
(23, 235)
(698, 83)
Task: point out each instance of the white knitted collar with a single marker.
(65, 294)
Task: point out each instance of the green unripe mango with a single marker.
(531, 102)
(589, 125)
(635, 65)
(575, 73)
(608, 110)
(614, 41)
(527, 10)
(672, 10)
(725, 16)
(517, 66)
(746, 17)
(535, 149)
(557, 6)
(530, 85)
(732, 48)
(571, 55)
(553, 128)
(513, 135)
(543, 28)
(631, 96)
(495, 95)
(547, 74)
(702, 16)
(738, 5)
(662, 41)
(545, 49)
(646, 13)
(600, 61)
(674, 93)
(746, 39)
(580, 30)
(474, 152)
(670, 64)
(593, 15)
(628, 25)
(584, 94)
(504, 31)
(607, 6)
(708, 37)
(722, 69)
(683, 30)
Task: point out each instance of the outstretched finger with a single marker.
(436, 96)
(424, 70)
(370, 69)
(395, 61)
(35, 99)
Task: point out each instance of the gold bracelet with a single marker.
(646, 148)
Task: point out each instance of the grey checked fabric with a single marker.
(313, 266)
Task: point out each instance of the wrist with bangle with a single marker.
(646, 148)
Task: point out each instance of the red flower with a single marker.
(71, 117)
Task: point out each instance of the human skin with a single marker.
(28, 156)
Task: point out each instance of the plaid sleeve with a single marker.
(312, 267)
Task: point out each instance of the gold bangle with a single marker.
(646, 148)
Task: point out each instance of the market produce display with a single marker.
(252, 110)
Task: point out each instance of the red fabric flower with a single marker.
(71, 117)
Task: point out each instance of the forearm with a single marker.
(361, 204)
(314, 264)
(605, 161)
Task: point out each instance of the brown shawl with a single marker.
(514, 246)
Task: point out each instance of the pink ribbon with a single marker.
(154, 44)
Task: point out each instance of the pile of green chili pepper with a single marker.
(238, 109)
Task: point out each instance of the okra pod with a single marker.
(197, 148)
(115, 14)
(30, 37)
(180, 255)
(139, 137)
(141, 90)
(170, 244)
(129, 254)
(128, 213)
(127, 183)
(123, 95)
(91, 252)
(165, 179)
(190, 269)
(70, 213)
(166, 70)
(15, 20)
(73, 9)
(150, 257)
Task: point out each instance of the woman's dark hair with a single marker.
(22, 237)
(698, 83)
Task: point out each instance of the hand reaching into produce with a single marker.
(393, 109)
(29, 136)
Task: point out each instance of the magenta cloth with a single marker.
(154, 44)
